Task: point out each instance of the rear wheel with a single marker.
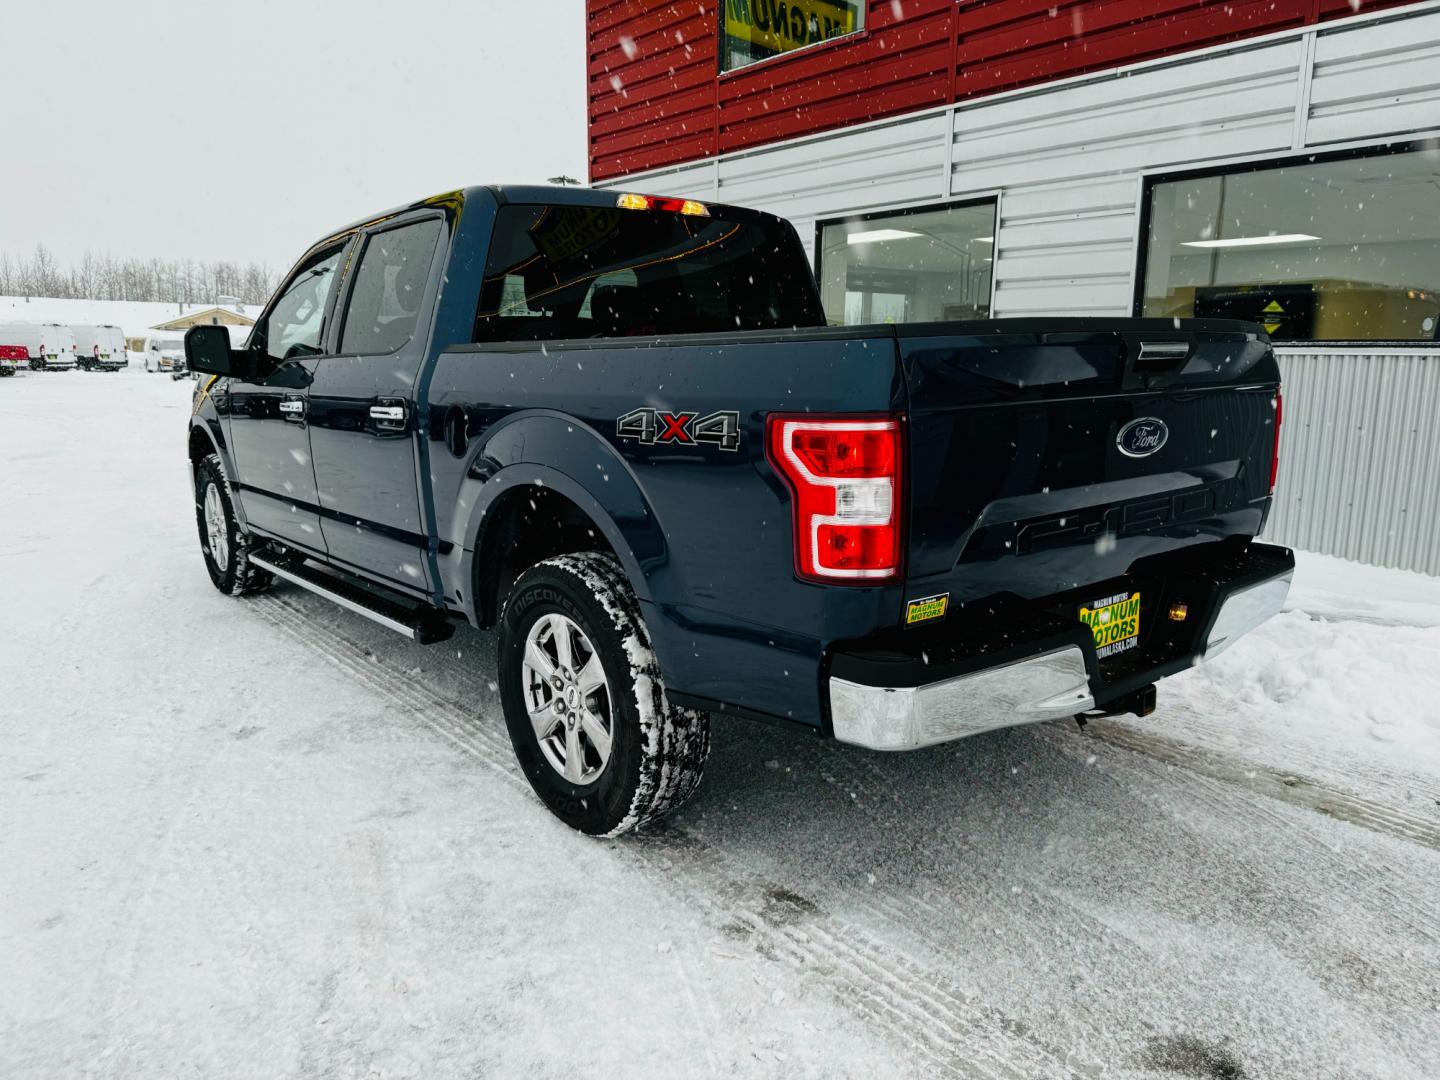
(225, 545)
(592, 729)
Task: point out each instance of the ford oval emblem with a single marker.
(1142, 437)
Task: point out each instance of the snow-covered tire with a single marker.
(657, 750)
(227, 561)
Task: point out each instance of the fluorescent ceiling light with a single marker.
(879, 235)
(1252, 241)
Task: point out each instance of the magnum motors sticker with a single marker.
(926, 608)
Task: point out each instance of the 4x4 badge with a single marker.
(651, 426)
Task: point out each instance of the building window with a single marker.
(752, 30)
(912, 266)
(1346, 249)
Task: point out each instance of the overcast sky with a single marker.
(244, 130)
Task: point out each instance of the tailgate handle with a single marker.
(1160, 355)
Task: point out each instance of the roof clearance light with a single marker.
(663, 202)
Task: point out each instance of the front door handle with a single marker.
(293, 408)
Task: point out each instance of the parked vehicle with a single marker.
(48, 346)
(12, 357)
(100, 348)
(165, 352)
(618, 430)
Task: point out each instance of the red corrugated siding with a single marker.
(654, 105)
(659, 100)
(895, 66)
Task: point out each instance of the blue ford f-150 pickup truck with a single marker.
(618, 429)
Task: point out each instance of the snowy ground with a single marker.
(263, 838)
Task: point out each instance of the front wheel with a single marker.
(225, 545)
(592, 729)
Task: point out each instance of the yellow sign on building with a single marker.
(778, 26)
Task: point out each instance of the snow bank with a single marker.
(1344, 683)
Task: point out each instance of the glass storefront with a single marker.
(911, 266)
(1346, 249)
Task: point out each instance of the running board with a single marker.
(421, 624)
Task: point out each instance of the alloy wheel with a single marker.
(568, 698)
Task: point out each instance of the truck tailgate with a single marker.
(1054, 455)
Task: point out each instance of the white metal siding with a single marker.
(846, 172)
(1066, 244)
(1379, 79)
(1360, 471)
(1360, 457)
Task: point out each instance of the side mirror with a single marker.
(207, 349)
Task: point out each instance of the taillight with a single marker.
(1275, 457)
(844, 473)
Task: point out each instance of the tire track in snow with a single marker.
(1365, 875)
(442, 716)
(1274, 783)
(901, 999)
(1382, 781)
(910, 1002)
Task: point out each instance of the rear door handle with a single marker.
(389, 414)
(293, 408)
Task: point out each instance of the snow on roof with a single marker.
(135, 318)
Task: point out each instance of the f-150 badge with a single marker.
(652, 426)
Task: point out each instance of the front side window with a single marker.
(385, 300)
(752, 30)
(923, 266)
(296, 324)
(588, 271)
(1340, 250)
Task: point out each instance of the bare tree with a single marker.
(104, 277)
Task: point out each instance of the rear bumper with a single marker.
(914, 691)
(1050, 686)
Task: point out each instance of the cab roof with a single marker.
(553, 195)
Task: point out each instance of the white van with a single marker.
(165, 352)
(100, 348)
(48, 346)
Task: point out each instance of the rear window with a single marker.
(584, 271)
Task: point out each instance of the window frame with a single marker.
(993, 198)
(357, 258)
(1240, 166)
(859, 33)
(346, 244)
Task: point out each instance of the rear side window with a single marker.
(585, 271)
(385, 302)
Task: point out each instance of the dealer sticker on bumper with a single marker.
(930, 607)
(1115, 622)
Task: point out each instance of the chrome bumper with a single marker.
(1244, 610)
(1051, 686)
